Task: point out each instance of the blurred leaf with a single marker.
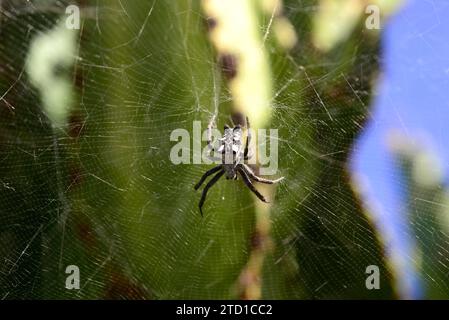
(427, 199)
(104, 195)
(336, 19)
(318, 219)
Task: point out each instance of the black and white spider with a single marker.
(232, 161)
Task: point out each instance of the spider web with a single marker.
(103, 195)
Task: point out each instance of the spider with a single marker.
(232, 162)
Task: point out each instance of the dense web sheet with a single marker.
(102, 194)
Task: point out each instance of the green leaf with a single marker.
(103, 194)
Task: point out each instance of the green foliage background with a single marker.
(102, 193)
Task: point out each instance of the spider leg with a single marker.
(253, 176)
(249, 184)
(248, 156)
(206, 174)
(207, 187)
(248, 140)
